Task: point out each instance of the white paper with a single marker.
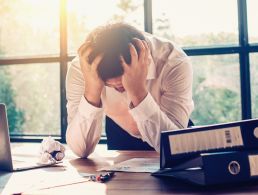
(137, 165)
(37, 179)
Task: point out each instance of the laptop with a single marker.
(6, 162)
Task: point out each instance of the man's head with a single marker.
(112, 40)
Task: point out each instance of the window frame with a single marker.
(243, 50)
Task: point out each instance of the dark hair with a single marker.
(112, 40)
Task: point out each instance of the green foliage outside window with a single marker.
(7, 96)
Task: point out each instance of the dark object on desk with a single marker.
(216, 168)
(178, 146)
(105, 177)
(118, 139)
(99, 178)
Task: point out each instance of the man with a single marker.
(141, 82)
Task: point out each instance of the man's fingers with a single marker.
(86, 53)
(140, 45)
(123, 63)
(80, 49)
(84, 58)
(133, 53)
(96, 61)
(83, 48)
(147, 51)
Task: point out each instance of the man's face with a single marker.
(115, 83)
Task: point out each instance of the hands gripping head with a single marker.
(112, 40)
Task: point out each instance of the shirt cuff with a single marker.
(145, 109)
(87, 110)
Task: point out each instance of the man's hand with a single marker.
(135, 74)
(93, 84)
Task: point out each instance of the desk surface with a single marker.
(121, 184)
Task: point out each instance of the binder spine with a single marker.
(226, 168)
(205, 140)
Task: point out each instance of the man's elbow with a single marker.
(78, 149)
(79, 152)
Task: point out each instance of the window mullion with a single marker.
(148, 16)
(244, 60)
(63, 65)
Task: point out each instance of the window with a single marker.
(32, 95)
(254, 83)
(26, 30)
(252, 20)
(31, 91)
(216, 89)
(39, 38)
(196, 23)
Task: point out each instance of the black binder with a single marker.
(216, 168)
(178, 146)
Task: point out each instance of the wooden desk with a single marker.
(121, 184)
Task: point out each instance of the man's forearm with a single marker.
(151, 120)
(137, 98)
(93, 100)
(84, 128)
(93, 96)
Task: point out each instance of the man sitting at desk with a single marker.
(140, 81)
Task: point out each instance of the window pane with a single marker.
(32, 95)
(216, 89)
(252, 6)
(254, 83)
(196, 23)
(85, 15)
(29, 27)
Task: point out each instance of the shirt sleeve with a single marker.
(174, 108)
(84, 120)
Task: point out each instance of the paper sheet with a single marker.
(137, 165)
(37, 179)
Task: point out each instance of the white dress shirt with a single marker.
(167, 106)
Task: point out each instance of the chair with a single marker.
(118, 139)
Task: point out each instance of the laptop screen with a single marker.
(5, 148)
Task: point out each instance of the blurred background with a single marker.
(38, 39)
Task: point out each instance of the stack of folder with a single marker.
(211, 155)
